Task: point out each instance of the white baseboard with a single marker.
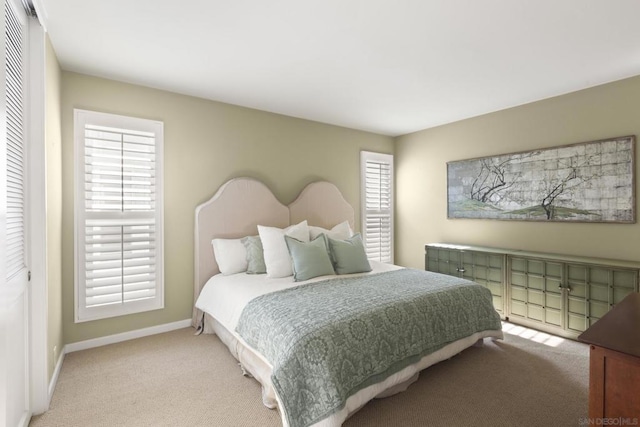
(24, 421)
(56, 374)
(126, 336)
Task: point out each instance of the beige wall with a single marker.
(54, 206)
(421, 190)
(206, 143)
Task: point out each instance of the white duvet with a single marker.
(224, 297)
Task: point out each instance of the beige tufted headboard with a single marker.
(241, 204)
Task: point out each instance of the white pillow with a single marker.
(341, 231)
(231, 255)
(276, 254)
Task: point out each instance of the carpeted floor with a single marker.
(177, 379)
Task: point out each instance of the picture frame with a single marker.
(585, 182)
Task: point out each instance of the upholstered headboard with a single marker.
(322, 205)
(241, 204)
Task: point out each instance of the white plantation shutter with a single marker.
(14, 85)
(377, 205)
(119, 215)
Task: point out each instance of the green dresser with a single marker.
(479, 264)
(592, 290)
(536, 292)
(560, 294)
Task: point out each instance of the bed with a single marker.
(323, 347)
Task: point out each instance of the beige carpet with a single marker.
(177, 379)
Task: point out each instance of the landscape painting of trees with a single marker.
(586, 182)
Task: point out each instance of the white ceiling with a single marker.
(386, 66)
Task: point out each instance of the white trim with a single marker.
(24, 422)
(82, 313)
(56, 374)
(41, 11)
(37, 202)
(126, 336)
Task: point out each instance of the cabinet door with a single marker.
(593, 290)
(445, 261)
(536, 291)
(487, 270)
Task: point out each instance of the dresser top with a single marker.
(618, 329)
(541, 255)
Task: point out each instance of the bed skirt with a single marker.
(259, 368)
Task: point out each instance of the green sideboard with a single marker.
(559, 294)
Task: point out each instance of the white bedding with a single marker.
(224, 297)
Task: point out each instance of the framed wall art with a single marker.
(586, 182)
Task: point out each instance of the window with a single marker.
(376, 172)
(119, 250)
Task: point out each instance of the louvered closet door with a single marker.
(378, 206)
(15, 390)
(15, 41)
(118, 231)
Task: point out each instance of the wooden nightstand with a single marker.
(614, 366)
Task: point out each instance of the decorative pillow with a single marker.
(231, 255)
(276, 254)
(310, 259)
(341, 231)
(255, 257)
(348, 256)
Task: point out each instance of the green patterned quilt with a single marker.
(329, 339)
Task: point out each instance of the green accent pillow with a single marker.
(310, 259)
(255, 256)
(348, 256)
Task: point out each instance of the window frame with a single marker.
(367, 156)
(82, 118)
